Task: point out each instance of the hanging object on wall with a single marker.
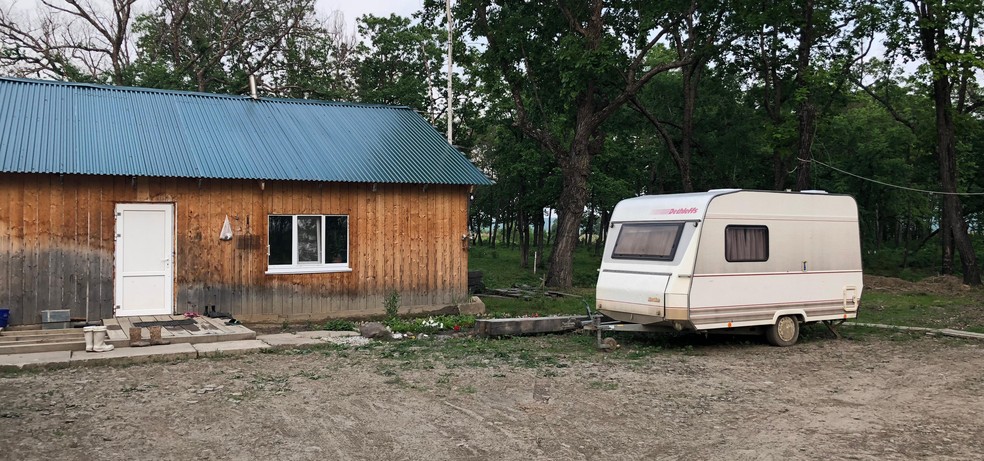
(226, 233)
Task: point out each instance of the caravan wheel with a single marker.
(785, 332)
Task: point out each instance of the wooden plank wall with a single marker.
(56, 245)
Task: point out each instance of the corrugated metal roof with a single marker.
(72, 128)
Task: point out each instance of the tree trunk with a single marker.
(691, 77)
(946, 243)
(550, 213)
(507, 231)
(807, 128)
(933, 37)
(806, 113)
(538, 260)
(606, 217)
(778, 169)
(495, 229)
(905, 239)
(524, 240)
(570, 209)
(589, 228)
(878, 229)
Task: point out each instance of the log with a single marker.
(527, 325)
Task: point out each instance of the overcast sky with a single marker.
(352, 9)
(355, 8)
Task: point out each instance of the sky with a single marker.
(352, 9)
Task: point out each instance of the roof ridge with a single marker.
(203, 94)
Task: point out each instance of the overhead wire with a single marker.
(896, 186)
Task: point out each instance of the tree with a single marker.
(321, 64)
(695, 39)
(791, 54)
(71, 39)
(568, 69)
(214, 45)
(400, 62)
(945, 34)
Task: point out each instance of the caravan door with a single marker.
(637, 268)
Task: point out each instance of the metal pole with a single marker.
(450, 94)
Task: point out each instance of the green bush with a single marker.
(392, 305)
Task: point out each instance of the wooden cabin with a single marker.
(113, 202)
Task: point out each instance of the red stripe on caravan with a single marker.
(761, 274)
(832, 302)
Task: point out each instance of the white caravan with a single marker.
(731, 260)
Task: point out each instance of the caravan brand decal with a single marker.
(691, 210)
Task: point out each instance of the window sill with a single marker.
(308, 269)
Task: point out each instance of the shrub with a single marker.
(392, 305)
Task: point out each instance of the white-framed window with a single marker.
(307, 244)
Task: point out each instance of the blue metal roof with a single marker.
(74, 128)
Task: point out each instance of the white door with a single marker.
(144, 253)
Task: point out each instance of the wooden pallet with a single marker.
(29, 341)
(204, 330)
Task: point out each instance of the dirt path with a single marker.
(825, 399)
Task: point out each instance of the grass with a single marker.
(551, 354)
(501, 269)
(960, 311)
(540, 305)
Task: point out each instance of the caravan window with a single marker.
(656, 241)
(746, 243)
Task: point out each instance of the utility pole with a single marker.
(450, 94)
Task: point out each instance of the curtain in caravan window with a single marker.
(647, 241)
(746, 243)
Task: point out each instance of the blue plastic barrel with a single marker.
(4, 317)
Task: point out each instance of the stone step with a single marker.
(31, 347)
(24, 336)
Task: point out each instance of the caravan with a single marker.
(731, 261)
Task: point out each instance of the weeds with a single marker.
(603, 385)
(339, 325)
(392, 305)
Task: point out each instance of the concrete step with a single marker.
(26, 336)
(32, 347)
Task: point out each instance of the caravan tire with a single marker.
(785, 332)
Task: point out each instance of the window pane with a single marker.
(746, 243)
(308, 238)
(280, 240)
(336, 239)
(648, 241)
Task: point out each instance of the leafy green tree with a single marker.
(319, 64)
(695, 39)
(568, 68)
(214, 45)
(946, 35)
(401, 62)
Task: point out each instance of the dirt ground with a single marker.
(823, 399)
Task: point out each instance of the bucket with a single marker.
(4, 317)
